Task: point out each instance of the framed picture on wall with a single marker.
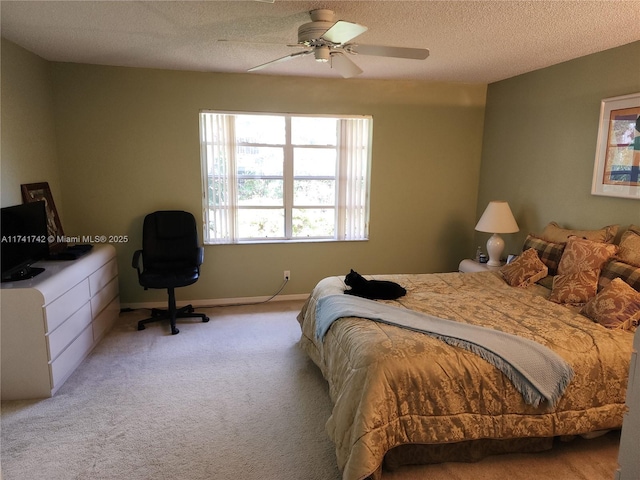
(616, 172)
(33, 192)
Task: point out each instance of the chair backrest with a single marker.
(170, 240)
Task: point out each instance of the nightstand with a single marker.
(468, 266)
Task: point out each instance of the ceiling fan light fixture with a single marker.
(322, 54)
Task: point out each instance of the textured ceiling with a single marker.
(470, 41)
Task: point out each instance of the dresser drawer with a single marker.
(71, 357)
(102, 276)
(101, 299)
(69, 330)
(66, 305)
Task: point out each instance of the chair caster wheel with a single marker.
(140, 327)
(174, 331)
(205, 319)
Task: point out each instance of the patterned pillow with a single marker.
(548, 252)
(616, 269)
(616, 306)
(575, 288)
(524, 270)
(554, 233)
(630, 246)
(580, 254)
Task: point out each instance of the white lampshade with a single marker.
(497, 218)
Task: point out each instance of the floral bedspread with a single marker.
(391, 386)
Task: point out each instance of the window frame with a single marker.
(340, 177)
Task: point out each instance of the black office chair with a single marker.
(171, 257)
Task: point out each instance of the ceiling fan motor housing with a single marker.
(321, 21)
(311, 31)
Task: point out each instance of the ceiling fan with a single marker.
(328, 41)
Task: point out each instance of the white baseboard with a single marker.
(218, 302)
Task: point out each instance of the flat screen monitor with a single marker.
(24, 240)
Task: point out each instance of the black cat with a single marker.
(372, 289)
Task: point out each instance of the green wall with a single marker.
(28, 152)
(540, 142)
(126, 143)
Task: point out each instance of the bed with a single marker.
(402, 397)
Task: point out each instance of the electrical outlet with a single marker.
(287, 275)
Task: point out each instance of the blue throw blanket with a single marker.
(537, 372)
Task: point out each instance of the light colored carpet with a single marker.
(234, 398)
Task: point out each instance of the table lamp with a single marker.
(497, 218)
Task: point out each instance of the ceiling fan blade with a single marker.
(282, 59)
(383, 51)
(342, 32)
(344, 65)
(257, 42)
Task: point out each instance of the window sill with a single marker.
(284, 242)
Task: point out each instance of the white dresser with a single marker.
(51, 322)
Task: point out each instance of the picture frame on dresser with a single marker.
(616, 171)
(34, 192)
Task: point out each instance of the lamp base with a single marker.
(495, 247)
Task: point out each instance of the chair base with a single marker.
(171, 314)
(183, 312)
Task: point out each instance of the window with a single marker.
(273, 177)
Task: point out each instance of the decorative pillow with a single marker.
(575, 288)
(616, 269)
(616, 306)
(554, 233)
(524, 270)
(548, 252)
(630, 246)
(582, 254)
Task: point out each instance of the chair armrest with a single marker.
(135, 261)
(200, 255)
